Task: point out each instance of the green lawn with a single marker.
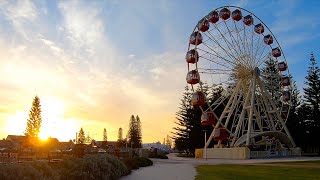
(226, 171)
(184, 155)
(299, 162)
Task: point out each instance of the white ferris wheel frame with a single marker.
(244, 104)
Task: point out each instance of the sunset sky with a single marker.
(95, 63)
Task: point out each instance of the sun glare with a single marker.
(43, 136)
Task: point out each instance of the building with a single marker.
(156, 145)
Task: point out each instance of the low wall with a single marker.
(227, 153)
(281, 153)
(244, 153)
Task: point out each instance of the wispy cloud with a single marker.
(106, 60)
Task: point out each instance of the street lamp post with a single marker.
(205, 141)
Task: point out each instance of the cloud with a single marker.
(130, 56)
(107, 60)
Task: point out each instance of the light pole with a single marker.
(205, 141)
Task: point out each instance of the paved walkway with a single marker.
(184, 168)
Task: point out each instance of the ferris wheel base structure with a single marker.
(244, 153)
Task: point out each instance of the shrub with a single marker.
(28, 170)
(136, 162)
(99, 166)
(162, 156)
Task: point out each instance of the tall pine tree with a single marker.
(81, 137)
(271, 78)
(134, 133)
(294, 123)
(189, 133)
(105, 137)
(138, 127)
(311, 105)
(35, 120)
(312, 89)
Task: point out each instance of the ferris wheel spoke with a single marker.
(261, 55)
(257, 48)
(226, 41)
(251, 54)
(221, 64)
(214, 71)
(246, 46)
(234, 41)
(223, 48)
(226, 51)
(239, 38)
(263, 58)
(216, 54)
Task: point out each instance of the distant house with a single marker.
(106, 144)
(17, 141)
(6, 144)
(156, 145)
(65, 145)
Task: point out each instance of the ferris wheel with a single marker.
(233, 49)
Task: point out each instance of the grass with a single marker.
(225, 171)
(183, 155)
(298, 162)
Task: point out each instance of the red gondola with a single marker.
(259, 28)
(213, 17)
(221, 134)
(193, 77)
(268, 39)
(224, 13)
(195, 38)
(276, 52)
(282, 66)
(286, 96)
(207, 119)
(203, 25)
(192, 56)
(285, 81)
(198, 99)
(248, 20)
(236, 15)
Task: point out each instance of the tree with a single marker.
(120, 141)
(35, 120)
(294, 122)
(168, 141)
(138, 127)
(312, 103)
(271, 78)
(88, 139)
(312, 91)
(134, 133)
(81, 137)
(120, 138)
(105, 137)
(189, 135)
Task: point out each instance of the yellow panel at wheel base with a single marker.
(198, 153)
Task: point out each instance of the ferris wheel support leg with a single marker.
(241, 118)
(253, 92)
(234, 94)
(279, 117)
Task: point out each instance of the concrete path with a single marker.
(184, 168)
